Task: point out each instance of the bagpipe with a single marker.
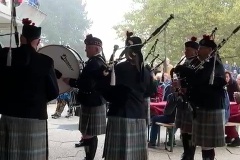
(150, 66)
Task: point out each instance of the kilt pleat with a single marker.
(125, 139)
(184, 118)
(208, 128)
(23, 139)
(92, 120)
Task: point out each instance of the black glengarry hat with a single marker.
(90, 40)
(29, 30)
(192, 43)
(207, 42)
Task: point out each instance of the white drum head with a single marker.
(65, 61)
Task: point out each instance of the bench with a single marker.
(171, 127)
(167, 126)
(232, 124)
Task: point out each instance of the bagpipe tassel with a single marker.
(113, 77)
(9, 58)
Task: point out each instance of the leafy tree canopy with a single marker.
(192, 18)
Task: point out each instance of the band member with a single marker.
(92, 120)
(184, 113)
(126, 128)
(207, 101)
(26, 88)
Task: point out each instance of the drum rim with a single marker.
(66, 47)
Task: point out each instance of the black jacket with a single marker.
(28, 85)
(127, 97)
(91, 75)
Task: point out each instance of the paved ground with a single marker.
(63, 134)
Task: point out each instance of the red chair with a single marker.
(234, 108)
(158, 97)
(157, 108)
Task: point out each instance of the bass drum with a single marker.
(67, 61)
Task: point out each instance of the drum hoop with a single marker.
(74, 52)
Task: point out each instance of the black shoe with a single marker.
(55, 114)
(228, 140)
(152, 145)
(56, 117)
(68, 115)
(169, 144)
(208, 154)
(82, 143)
(235, 143)
(185, 157)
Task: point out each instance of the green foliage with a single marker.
(192, 18)
(66, 23)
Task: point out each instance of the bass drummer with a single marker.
(92, 120)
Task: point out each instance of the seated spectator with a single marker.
(232, 137)
(167, 117)
(232, 86)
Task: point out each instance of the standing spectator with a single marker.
(169, 66)
(234, 67)
(234, 74)
(238, 80)
(227, 67)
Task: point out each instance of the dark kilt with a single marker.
(125, 139)
(184, 119)
(23, 139)
(147, 111)
(208, 128)
(92, 120)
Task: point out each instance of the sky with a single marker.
(104, 15)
